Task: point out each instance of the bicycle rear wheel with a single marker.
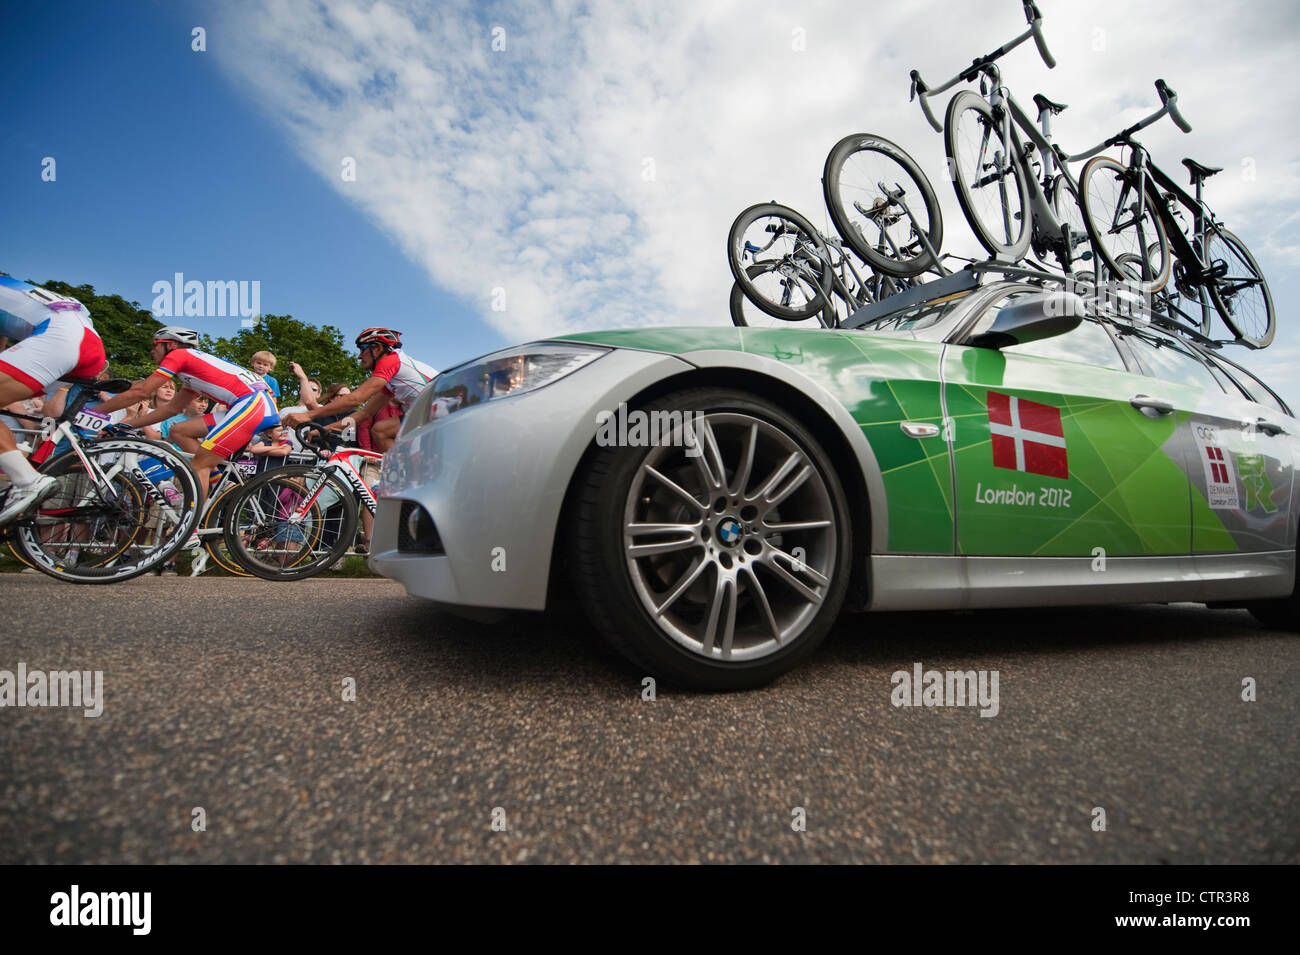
(130, 512)
(875, 226)
(780, 261)
(1241, 295)
(987, 177)
(1109, 197)
(290, 523)
(745, 314)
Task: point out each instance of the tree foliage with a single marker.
(320, 351)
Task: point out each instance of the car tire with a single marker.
(705, 576)
(1281, 614)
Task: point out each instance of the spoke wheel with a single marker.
(873, 224)
(720, 569)
(1110, 200)
(745, 314)
(290, 523)
(126, 516)
(780, 261)
(989, 182)
(1241, 295)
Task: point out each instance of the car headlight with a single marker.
(502, 374)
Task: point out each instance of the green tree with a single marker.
(126, 328)
(320, 351)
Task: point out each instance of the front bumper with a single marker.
(493, 478)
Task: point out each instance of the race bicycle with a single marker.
(297, 520)
(123, 504)
(1134, 213)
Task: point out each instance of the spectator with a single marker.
(271, 447)
(264, 364)
(198, 406)
(308, 399)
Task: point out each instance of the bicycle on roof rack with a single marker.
(1134, 230)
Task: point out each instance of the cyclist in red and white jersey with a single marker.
(55, 339)
(211, 441)
(393, 375)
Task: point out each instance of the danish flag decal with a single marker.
(1027, 436)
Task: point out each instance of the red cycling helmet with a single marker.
(380, 336)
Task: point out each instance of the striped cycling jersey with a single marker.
(209, 375)
(406, 377)
(24, 308)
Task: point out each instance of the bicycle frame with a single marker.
(339, 463)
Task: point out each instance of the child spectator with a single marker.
(264, 364)
(271, 447)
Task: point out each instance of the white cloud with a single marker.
(593, 167)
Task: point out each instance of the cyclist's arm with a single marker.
(142, 390)
(363, 395)
(371, 407)
(174, 407)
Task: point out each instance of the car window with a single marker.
(1253, 388)
(1171, 360)
(1088, 344)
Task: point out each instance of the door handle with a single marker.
(1146, 403)
(1269, 427)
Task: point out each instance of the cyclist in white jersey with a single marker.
(393, 375)
(56, 339)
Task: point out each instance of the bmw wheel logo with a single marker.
(729, 531)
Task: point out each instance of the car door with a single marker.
(1241, 449)
(1054, 454)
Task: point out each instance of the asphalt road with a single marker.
(227, 695)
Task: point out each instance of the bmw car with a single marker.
(718, 496)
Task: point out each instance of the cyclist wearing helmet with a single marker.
(393, 375)
(197, 373)
(56, 339)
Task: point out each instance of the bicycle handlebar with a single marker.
(978, 65)
(1170, 99)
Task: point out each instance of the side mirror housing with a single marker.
(1041, 315)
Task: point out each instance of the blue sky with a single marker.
(527, 169)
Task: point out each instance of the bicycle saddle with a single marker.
(1043, 103)
(1200, 172)
(114, 386)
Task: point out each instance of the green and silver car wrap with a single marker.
(987, 449)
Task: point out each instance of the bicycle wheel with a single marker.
(1241, 295)
(875, 226)
(1065, 203)
(214, 541)
(290, 523)
(747, 315)
(779, 260)
(1109, 198)
(989, 181)
(131, 511)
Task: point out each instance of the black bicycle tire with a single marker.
(736, 305)
(1005, 252)
(177, 539)
(833, 171)
(235, 543)
(1099, 246)
(1212, 285)
(740, 272)
(214, 544)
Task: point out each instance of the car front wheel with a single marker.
(712, 547)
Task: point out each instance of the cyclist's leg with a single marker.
(384, 433)
(232, 434)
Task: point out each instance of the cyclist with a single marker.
(196, 374)
(56, 339)
(393, 375)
